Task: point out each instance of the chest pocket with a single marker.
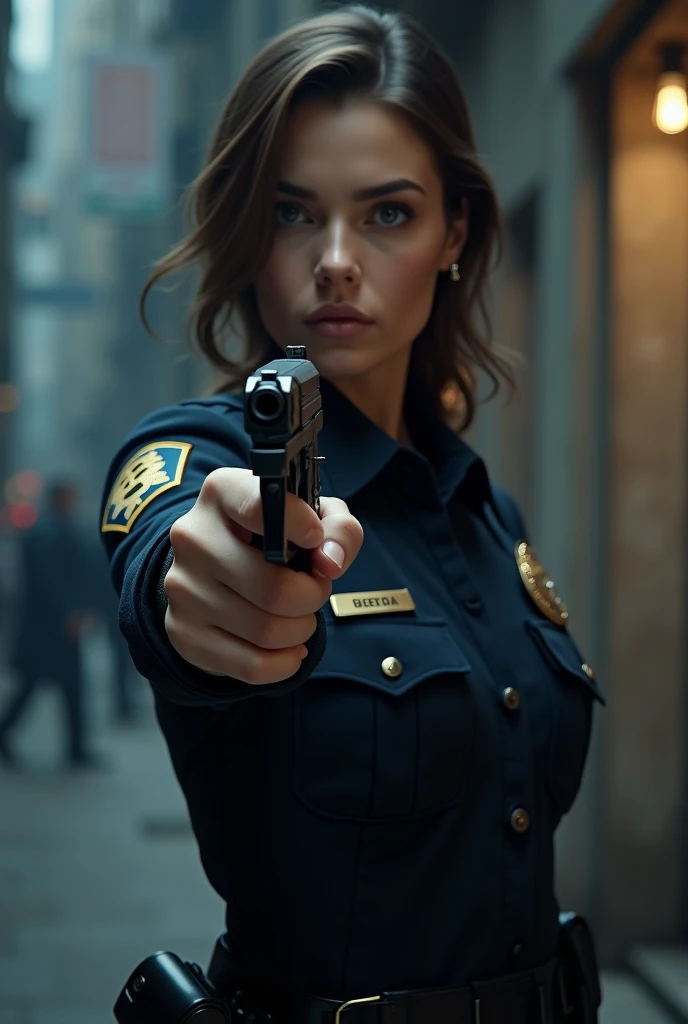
(571, 703)
(374, 747)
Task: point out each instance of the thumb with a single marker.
(343, 537)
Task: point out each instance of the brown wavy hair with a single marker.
(360, 52)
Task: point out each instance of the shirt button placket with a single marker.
(518, 791)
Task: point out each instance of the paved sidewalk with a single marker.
(99, 870)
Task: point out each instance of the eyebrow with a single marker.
(359, 195)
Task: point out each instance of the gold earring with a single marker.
(454, 272)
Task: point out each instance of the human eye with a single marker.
(287, 214)
(392, 214)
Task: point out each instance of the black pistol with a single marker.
(283, 417)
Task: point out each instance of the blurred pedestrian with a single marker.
(52, 615)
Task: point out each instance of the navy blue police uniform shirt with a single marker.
(384, 819)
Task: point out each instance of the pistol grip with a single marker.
(301, 560)
(273, 494)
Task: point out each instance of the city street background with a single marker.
(106, 112)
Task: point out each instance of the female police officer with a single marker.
(378, 817)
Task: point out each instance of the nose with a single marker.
(337, 263)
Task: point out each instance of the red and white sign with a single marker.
(128, 171)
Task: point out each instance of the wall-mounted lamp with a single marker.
(671, 103)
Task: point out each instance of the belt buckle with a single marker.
(353, 1002)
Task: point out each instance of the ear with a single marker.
(456, 238)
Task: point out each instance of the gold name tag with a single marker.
(372, 602)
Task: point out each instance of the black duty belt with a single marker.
(529, 997)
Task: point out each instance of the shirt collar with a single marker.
(455, 465)
(356, 450)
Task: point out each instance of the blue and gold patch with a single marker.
(152, 470)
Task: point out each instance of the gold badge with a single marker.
(372, 602)
(154, 469)
(539, 585)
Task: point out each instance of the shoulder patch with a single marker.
(152, 470)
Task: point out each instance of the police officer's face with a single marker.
(381, 254)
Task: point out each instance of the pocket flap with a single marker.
(561, 651)
(357, 648)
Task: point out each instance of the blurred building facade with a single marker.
(591, 293)
(87, 371)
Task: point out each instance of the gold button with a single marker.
(589, 671)
(520, 820)
(392, 667)
(511, 698)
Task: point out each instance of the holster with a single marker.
(579, 979)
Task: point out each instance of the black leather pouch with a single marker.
(580, 981)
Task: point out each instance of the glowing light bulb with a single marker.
(671, 104)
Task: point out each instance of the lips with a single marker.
(340, 311)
